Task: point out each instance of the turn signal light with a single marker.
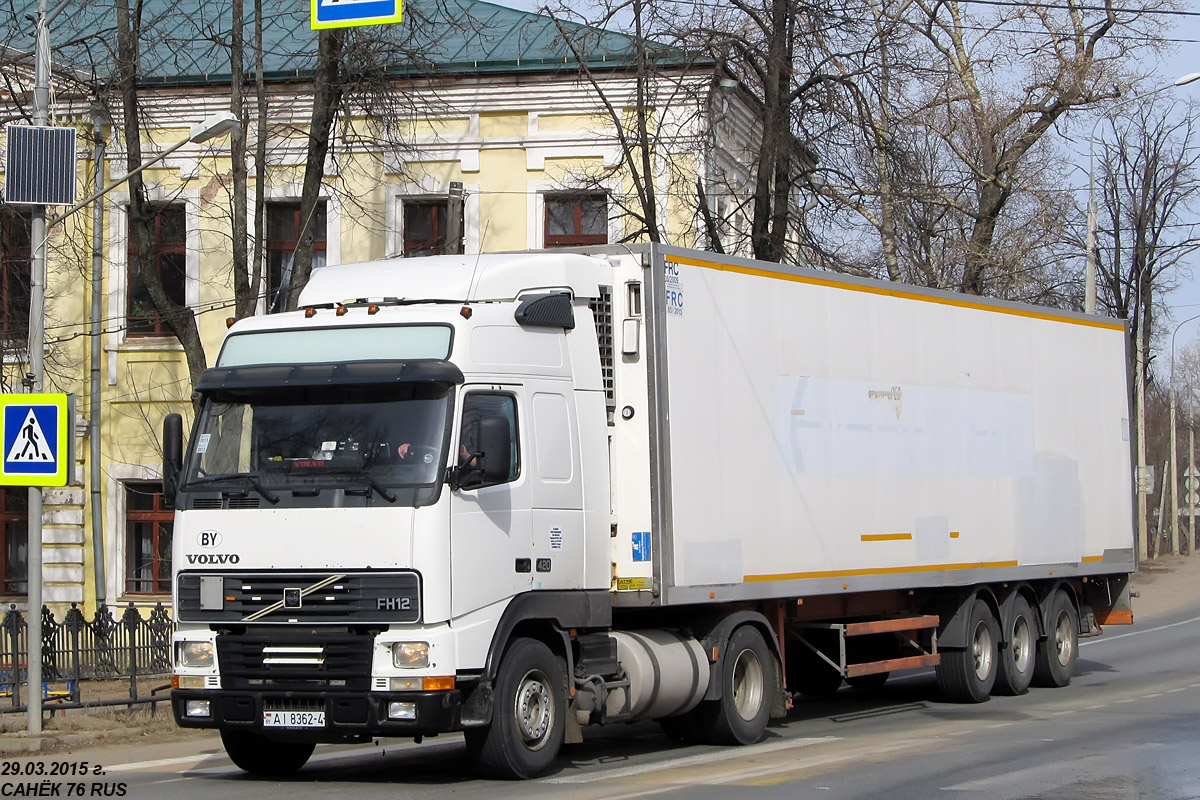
(439, 684)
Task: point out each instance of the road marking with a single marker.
(703, 758)
(329, 755)
(1093, 708)
(1173, 691)
(1148, 696)
(1104, 639)
(770, 773)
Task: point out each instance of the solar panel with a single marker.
(40, 165)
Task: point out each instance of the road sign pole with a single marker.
(1191, 491)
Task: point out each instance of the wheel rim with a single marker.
(1022, 644)
(1064, 642)
(981, 650)
(534, 709)
(747, 684)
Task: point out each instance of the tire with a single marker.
(258, 755)
(875, 680)
(529, 715)
(966, 675)
(1019, 653)
(1058, 652)
(747, 680)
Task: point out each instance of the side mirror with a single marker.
(497, 449)
(172, 444)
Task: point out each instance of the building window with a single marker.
(147, 539)
(14, 552)
(168, 258)
(573, 220)
(425, 227)
(284, 227)
(14, 275)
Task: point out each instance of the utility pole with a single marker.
(37, 369)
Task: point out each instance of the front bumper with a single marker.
(348, 715)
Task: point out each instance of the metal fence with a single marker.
(76, 650)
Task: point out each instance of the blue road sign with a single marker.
(34, 437)
(348, 13)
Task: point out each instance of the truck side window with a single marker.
(478, 405)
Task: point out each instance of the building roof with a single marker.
(186, 41)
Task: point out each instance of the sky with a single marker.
(1185, 59)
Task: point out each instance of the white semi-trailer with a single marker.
(518, 494)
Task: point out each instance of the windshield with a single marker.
(371, 439)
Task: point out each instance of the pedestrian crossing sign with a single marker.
(34, 430)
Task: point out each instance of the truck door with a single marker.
(490, 542)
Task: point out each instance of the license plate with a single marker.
(293, 719)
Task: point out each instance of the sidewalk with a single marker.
(1164, 585)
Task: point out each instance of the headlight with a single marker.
(410, 655)
(194, 654)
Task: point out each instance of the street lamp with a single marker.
(1089, 302)
(1174, 458)
(39, 235)
(212, 127)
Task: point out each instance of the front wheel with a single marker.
(258, 755)
(529, 716)
(747, 680)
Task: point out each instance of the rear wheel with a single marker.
(747, 680)
(1057, 653)
(529, 717)
(258, 755)
(966, 675)
(1017, 656)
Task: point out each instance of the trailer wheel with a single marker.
(258, 755)
(1056, 654)
(747, 680)
(529, 719)
(1018, 658)
(966, 675)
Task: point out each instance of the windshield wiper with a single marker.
(249, 480)
(366, 478)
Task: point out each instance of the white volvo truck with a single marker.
(518, 494)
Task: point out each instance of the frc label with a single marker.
(674, 289)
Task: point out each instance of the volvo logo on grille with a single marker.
(292, 598)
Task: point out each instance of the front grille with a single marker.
(295, 661)
(268, 598)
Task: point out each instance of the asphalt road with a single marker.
(1127, 727)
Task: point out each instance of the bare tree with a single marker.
(1149, 188)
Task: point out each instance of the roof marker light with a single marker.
(309, 313)
(341, 310)
(372, 309)
(229, 321)
(465, 312)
